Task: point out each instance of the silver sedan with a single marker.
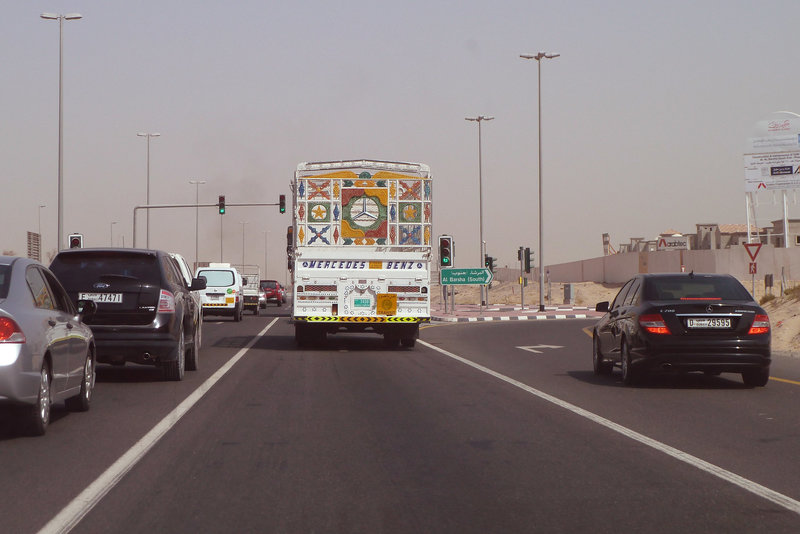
(47, 353)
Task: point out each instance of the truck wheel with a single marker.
(408, 342)
(390, 341)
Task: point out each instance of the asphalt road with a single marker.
(465, 433)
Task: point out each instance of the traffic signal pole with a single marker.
(215, 205)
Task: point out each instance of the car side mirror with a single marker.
(86, 310)
(601, 306)
(198, 284)
(244, 281)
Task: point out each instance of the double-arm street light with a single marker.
(60, 18)
(148, 136)
(482, 252)
(538, 57)
(197, 184)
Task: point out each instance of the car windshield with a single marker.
(217, 278)
(269, 284)
(5, 279)
(74, 270)
(694, 288)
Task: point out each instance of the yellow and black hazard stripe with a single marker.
(339, 319)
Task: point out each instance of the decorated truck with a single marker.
(360, 249)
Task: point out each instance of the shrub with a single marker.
(766, 298)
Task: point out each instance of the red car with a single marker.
(273, 292)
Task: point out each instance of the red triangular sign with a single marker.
(752, 249)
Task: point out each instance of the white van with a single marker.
(223, 292)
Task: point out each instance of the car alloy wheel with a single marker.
(599, 366)
(81, 401)
(628, 373)
(38, 415)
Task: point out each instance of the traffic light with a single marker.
(445, 251)
(282, 203)
(221, 204)
(75, 240)
(528, 259)
(489, 262)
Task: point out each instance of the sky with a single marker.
(645, 116)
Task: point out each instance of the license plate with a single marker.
(362, 303)
(708, 322)
(115, 298)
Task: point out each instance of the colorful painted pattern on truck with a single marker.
(343, 208)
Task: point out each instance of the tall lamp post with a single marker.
(538, 57)
(40, 222)
(242, 223)
(197, 184)
(148, 136)
(60, 18)
(479, 119)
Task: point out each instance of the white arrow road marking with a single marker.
(532, 348)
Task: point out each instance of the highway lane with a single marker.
(355, 438)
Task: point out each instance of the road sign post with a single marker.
(752, 250)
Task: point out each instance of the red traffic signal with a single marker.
(75, 241)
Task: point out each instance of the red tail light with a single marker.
(760, 325)
(166, 302)
(10, 332)
(654, 323)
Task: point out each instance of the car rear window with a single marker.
(74, 271)
(695, 288)
(217, 278)
(271, 284)
(5, 279)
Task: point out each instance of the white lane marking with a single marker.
(753, 487)
(81, 505)
(533, 348)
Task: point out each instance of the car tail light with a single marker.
(654, 323)
(760, 325)
(166, 302)
(10, 332)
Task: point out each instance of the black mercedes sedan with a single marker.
(683, 322)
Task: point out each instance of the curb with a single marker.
(510, 318)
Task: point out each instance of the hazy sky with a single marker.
(645, 114)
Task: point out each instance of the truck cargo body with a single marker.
(361, 249)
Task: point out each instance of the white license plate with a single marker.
(362, 303)
(115, 298)
(708, 322)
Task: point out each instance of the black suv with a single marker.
(143, 305)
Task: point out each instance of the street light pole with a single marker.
(242, 223)
(197, 184)
(40, 223)
(538, 57)
(148, 136)
(479, 119)
(112, 233)
(60, 18)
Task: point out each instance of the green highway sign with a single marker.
(453, 276)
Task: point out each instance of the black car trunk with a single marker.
(705, 318)
(126, 287)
